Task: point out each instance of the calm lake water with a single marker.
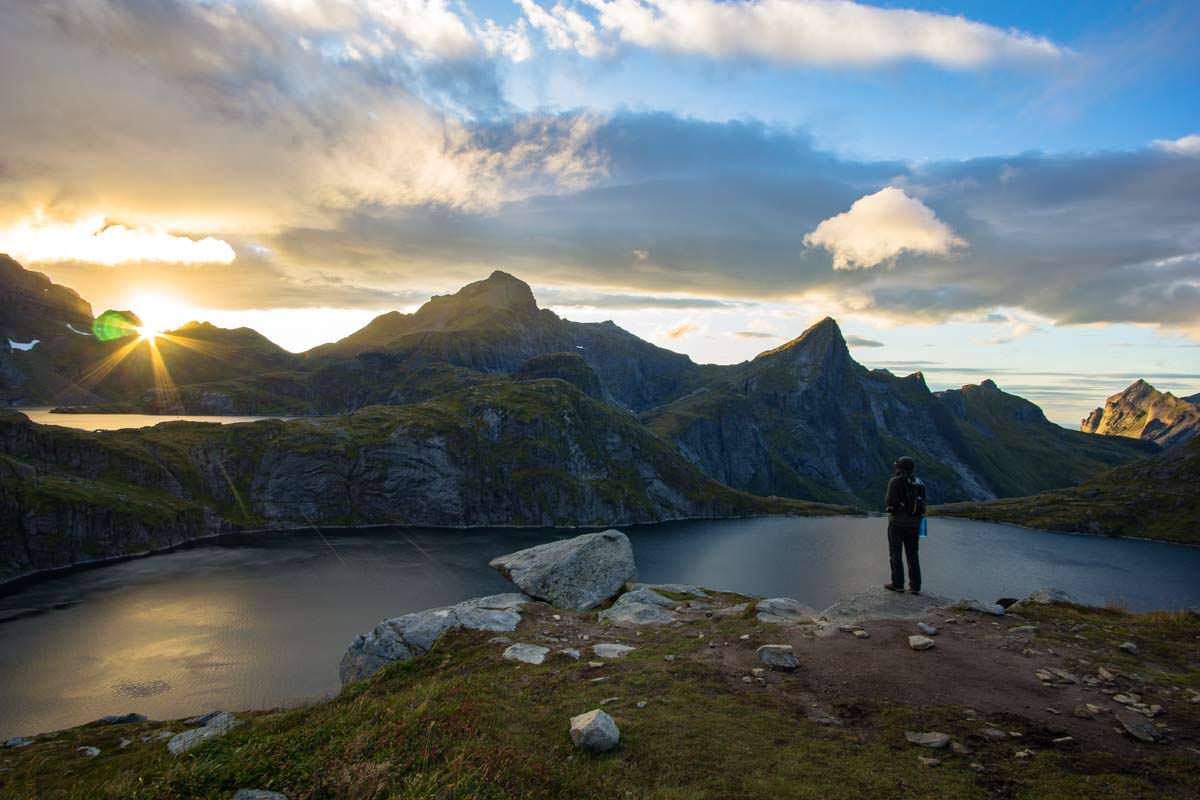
(112, 422)
(259, 621)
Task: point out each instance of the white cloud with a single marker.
(93, 239)
(881, 226)
(564, 28)
(792, 32)
(1184, 146)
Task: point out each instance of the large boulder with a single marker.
(576, 574)
(411, 635)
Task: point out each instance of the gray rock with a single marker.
(783, 611)
(202, 719)
(595, 731)
(87, 751)
(607, 650)
(411, 635)
(526, 653)
(779, 656)
(578, 573)
(732, 611)
(920, 642)
(970, 604)
(640, 607)
(18, 741)
(570, 653)
(1137, 725)
(931, 739)
(1045, 597)
(1128, 647)
(879, 603)
(861, 634)
(258, 794)
(120, 719)
(927, 629)
(218, 724)
(673, 588)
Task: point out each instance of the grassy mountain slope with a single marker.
(507, 453)
(1154, 498)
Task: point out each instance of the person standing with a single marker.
(905, 503)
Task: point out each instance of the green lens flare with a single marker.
(115, 325)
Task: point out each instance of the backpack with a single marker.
(914, 497)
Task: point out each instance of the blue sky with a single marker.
(973, 189)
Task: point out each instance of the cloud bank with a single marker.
(786, 32)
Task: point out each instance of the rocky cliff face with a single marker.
(805, 420)
(1143, 412)
(530, 453)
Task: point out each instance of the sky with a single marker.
(973, 189)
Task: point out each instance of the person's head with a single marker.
(905, 466)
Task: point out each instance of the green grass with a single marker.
(460, 722)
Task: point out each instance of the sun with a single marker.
(159, 313)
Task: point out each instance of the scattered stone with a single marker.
(499, 640)
(950, 621)
(975, 765)
(577, 574)
(1045, 676)
(1106, 676)
(570, 653)
(411, 635)
(608, 700)
(995, 734)
(747, 679)
(960, 749)
(861, 634)
(1062, 740)
(994, 609)
(925, 761)
(202, 719)
(1023, 754)
(87, 751)
(1137, 725)
(732, 611)
(125, 743)
(639, 607)
(217, 725)
(258, 794)
(758, 672)
(920, 642)
(745, 637)
(601, 679)
(669, 657)
(930, 739)
(526, 653)
(595, 731)
(608, 650)
(1052, 710)
(927, 629)
(641, 704)
(1064, 676)
(1128, 647)
(783, 611)
(595, 664)
(19, 741)
(849, 628)
(1022, 630)
(556, 617)
(1126, 699)
(1045, 597)
(779, 656)
(121, 719)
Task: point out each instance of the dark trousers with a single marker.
(902, 537)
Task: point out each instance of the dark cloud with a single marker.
(756, 335)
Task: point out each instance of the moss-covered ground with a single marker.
(461, 722)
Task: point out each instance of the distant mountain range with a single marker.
(481, 408)
(1143, 412)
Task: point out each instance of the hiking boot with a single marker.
(914, 591)
(892, 588)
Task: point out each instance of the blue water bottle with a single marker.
(924, 528)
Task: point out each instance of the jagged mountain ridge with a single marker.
(806, 420)
(1143, 412)
(803, 420)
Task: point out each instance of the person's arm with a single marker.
(892, 499)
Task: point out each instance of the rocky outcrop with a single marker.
(1143, 412)
(640, 607)
(576, 574)
(411, 635)
(805, 420)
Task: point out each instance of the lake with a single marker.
(112, 422)
(257, 621)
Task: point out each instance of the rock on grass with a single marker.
(779, 656)
(928, 739)
(595, 731)
(577, 574)
(920, 642)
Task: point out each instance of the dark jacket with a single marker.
(896, 507)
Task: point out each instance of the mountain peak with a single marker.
(821, 341)
(499, 290)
